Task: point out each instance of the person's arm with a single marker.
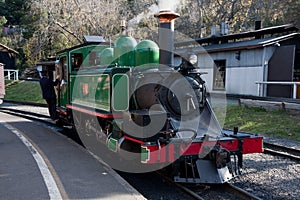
(56, 82)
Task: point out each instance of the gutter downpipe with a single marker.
(265, 74)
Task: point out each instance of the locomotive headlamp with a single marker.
(193, 59)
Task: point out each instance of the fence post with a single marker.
(258, 88)
(11, 72)
(295, 91)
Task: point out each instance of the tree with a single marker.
(239, 14)
(13, 10)
(51, 25)
(291, 12)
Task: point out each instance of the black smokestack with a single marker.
(257, 25)
(166, 36)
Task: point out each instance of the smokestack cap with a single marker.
(166, 16)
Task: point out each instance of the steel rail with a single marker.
(24, 112)
(236, 191)
(240, 192)
(281, 148)
(185, 189)
(28, 115)
(282, 151)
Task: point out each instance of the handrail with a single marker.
(294, 84)
(12, 73)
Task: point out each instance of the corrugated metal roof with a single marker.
(260, 33)
(248, 44)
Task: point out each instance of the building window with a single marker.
(219, 75)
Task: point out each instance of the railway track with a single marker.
(240, 192)
(205, 192)
(278, 150)
(28, 115)
(225, 191)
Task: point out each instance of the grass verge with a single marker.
(25, 91)
(278, 123)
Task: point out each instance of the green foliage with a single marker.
(13, 10)
(259, 120)
(16, 15)
(3, 21)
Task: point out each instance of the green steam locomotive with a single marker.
(131, 106)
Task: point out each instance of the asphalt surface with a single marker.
(36, 162)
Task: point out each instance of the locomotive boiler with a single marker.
(147, 113)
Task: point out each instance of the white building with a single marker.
(235, 63)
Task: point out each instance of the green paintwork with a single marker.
(124, 51)
(91, 54)
(145, 154)
(120, 93)
(64, 100)
(96, 83)
(107, 57)
(146, 52)
(92, 90)
(112, 144)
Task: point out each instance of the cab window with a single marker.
(77, 59)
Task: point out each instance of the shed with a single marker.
(235, 63)
(8, 57)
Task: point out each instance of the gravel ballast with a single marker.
(270, 177)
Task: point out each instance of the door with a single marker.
(62, 89)
(219, 82)
(280, 69)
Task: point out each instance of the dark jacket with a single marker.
(47, 87)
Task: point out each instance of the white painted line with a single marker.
(51, 185)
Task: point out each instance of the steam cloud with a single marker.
(146, 14)
(168, 5)
(153, 9)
